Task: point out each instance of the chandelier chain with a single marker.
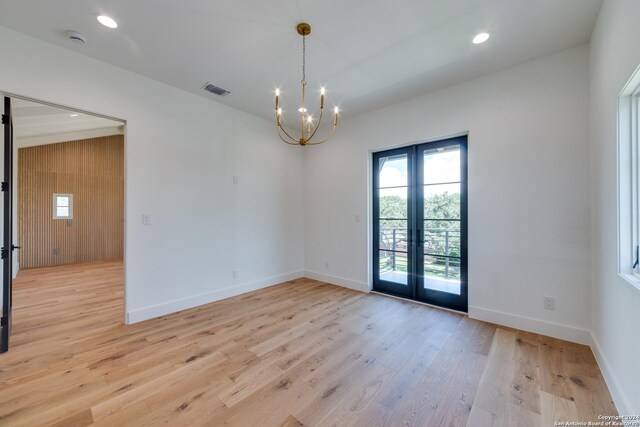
(304, 55)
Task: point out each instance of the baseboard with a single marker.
(543, 327)
(619, 398)
(145, 313)
(340, 281)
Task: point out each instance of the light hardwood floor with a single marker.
(300, 353)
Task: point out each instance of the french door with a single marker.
(420, 222)
(7, 223)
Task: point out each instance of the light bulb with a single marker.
(302, 110)
(309, 119)
(277, 92)
(107, 21)
(481, 38)
(279, 111)
(322, 90)
(335, 110)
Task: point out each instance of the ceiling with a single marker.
(369, 53)
(39, 124)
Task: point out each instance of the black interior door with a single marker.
(7, 221)
(420, 222)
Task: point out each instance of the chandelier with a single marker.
(307, 128)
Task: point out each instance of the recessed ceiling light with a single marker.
(481, 38)
(107, 21)
(73, 115)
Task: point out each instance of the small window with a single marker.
(629, 181)
(63, 206)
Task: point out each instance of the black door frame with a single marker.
(431, 296)
(6, 252)
(407, 291)
(415, 290)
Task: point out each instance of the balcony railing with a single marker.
(441, 250)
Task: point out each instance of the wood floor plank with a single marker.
(556, 409)
(495, 385)
(299, 353)
(291, 421)
(458, 398)
(525, 389)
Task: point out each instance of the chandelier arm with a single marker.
(289, 136)
(287, 142)
(287, 133)
(317, 126)
(326, 139)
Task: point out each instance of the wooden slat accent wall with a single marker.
(92, 170)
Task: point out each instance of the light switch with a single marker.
(146, 219)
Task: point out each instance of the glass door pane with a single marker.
(393, 245)
(392, 216)
(441, 248)
(442, 233)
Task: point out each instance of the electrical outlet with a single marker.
(549, 303)
(235, 274)
(357, 218)
(235, 179)
(326, 265)
(146, 219)
(55, 251)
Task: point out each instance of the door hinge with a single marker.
(5, 119)
(4, 253)
(5, 186)
(3, 321)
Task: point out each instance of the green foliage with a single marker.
(393, 207)
(443, 205)
(441, 236)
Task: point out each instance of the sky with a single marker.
(438, 167)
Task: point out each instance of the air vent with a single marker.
(209, 87)
(76, 37)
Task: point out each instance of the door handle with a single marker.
(14, 247)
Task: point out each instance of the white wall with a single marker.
(528, 190)
(615, 304)
(181, 153)
(529, 193)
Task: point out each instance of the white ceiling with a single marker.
(38, 124)
(369, 53)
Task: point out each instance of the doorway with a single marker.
(63, 206)
(420, 223)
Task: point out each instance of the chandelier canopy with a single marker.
(307, 129)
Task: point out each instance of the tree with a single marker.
(436, 206)
(441, 236)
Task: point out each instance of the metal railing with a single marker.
(441, 249)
